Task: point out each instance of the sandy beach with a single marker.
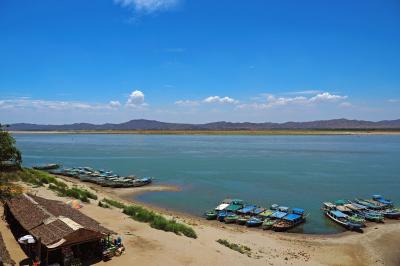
(378, 245)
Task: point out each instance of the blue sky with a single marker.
(198, 61)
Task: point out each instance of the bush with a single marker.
(114, 203)
(158, 221)
(103, 205)
(239, 248)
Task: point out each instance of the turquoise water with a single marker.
(297, 171)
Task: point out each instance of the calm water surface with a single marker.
(296, 171)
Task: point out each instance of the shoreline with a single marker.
(295, 132)
(129, 195)
(147, 246)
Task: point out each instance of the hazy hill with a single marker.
(143, 124)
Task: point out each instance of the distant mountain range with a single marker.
(143, 124)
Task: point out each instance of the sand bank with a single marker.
(379, 245)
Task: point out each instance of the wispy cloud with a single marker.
(27, 103)
(274, 101)
(148, 6)
(208, 100)
(218, 99)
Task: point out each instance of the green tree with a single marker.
(9, 154)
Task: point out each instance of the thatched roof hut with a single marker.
(56, 223)
(5, 258)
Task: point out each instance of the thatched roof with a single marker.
(4, 255)
(56, 223)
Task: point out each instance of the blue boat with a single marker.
(289, 221)
(253, 222)
(257, 211)
(222, 214)
(247, 209)
(382, 200)
(343, 219)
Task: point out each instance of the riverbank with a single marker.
(147, 246)
(222, 132)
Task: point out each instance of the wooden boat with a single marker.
(289, 221)
(265, 214)
(382, 200)
(369, 205)
(391, 213)
(254, 222)
(268, 223)
(369, 215)
(211, 215)
(242, 220)
(234, 207)
(229, 219)
(222, 214)
(50, 166)
(257, 211)
(247, 209)
(342, 219)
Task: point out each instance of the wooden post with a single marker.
(39, 249)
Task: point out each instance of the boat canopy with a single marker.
(247, 209)
(279, 215)
(342, 208)
(339, 214)
(359, 206)
(292, 217)
(221, 207)
(237, 201)
(257, 211)
(283, 209)
(340, 202)
(233, 207)
(329, 205)
(267, 213)
(274, 206)
(298, 211)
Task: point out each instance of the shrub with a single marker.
(158, 221)
(114, 203)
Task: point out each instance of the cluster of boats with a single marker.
(353, 214)
(277, 218)
(100, 177)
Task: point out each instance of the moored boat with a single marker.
(211, 215)
(342, 219)
(242, 220)
(50, 166)
(232, 218)
(254, 222)
(382, 200)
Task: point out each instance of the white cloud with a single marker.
(273, 101)
(136, 99)
(114, 104)
(222, 100)
(187, 103)
(148, 6)
(27, 103)
(326, 96)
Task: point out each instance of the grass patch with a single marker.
(103, 205)
(158, 221)
(114, 203)
(239, 248)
